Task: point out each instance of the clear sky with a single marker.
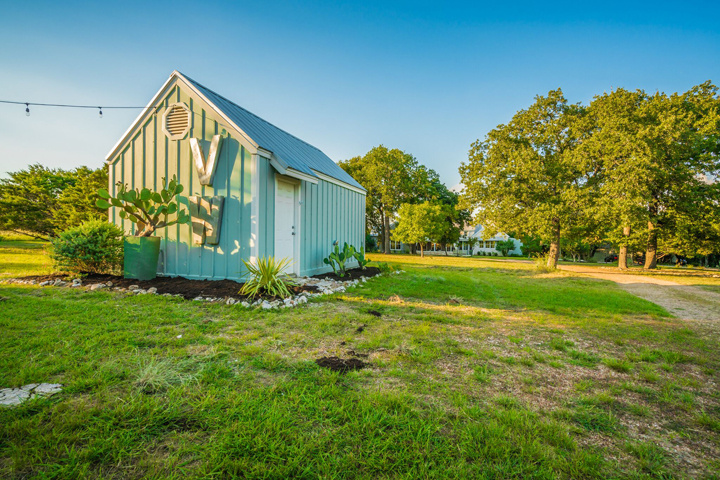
(428, 78)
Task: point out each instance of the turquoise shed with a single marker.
(252, 189)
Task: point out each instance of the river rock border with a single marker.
(326, 286)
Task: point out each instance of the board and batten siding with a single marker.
(150, 155)
(328, 213)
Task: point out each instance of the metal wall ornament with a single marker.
(206, 213)
(206, 169)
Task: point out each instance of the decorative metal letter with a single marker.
(206, 170)
(206, 213)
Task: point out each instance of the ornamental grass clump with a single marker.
(267, 277)
(95, 246)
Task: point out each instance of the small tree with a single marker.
(472, 241)
(148, 210)
(419, 223)
(505, 246)
(76, 203)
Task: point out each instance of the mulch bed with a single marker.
(353, 274)
(190, 289)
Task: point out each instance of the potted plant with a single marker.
(149, 211)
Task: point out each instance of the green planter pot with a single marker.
(141, 257)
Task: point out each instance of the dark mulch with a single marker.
(353, 274)
(340, 364)
(375, 313)
(190, 289)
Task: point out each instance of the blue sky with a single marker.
(423, 77)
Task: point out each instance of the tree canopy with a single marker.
(526, 177)
(393, 178)
(631, 168)
(42, 201)
(420, 223)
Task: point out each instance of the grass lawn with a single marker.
(479, 369)
(21, 255)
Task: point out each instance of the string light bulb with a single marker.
(100, 112)
(27, 109)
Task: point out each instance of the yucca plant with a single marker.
(268, 277)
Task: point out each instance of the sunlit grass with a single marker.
(22, 255)
(478, 368)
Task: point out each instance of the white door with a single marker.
(285, 222)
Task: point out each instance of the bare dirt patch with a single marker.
(342, 365)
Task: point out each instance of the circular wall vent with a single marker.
(176, 121)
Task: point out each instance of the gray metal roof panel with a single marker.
(297, 153)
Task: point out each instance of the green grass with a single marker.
(21, 255)
(507, 383)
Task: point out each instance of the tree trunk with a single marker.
(386, 240)
(554, 252)
(422, 252)
(651, 252)
(622, 258)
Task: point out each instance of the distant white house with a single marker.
(486, 245)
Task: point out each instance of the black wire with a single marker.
(62, 105)
(158, 107)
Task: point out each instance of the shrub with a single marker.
(95, 246)
(371, 243)
(541, 263)
(385, 268)
(267, 277)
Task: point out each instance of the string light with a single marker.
(62, 105)
(156, 109)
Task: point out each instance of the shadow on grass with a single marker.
(510, 289)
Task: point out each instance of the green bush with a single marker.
(95, 246)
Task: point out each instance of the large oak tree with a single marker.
(526, 176)
(655, 152)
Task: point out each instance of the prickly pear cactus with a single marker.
(147, 209)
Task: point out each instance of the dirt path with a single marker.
(684, 301)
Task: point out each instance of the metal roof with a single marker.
(298, 154)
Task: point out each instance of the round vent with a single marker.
(176, 121)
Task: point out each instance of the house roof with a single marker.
(296, 153)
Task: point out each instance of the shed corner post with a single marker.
(254, 207)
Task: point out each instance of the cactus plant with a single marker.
(147, 209)
(339, 258)
(360, 257)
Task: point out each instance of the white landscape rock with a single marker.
(15, 396)
(97, 286)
